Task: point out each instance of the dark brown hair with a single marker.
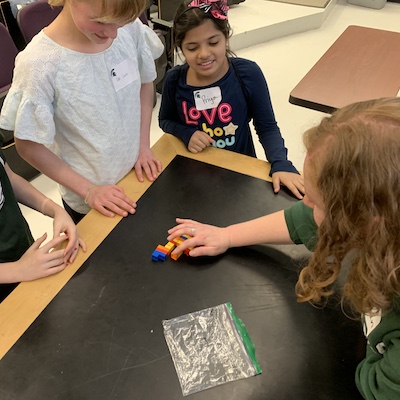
(187, 18)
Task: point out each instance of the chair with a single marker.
(8, 52)
(33, 17)
(7, 18)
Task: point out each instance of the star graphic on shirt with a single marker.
(230, 129)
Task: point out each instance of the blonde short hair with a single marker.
(113, 10)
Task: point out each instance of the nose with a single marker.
(204, 51)
(110, 30)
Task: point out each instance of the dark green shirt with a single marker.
(378, 375)
(15, 235)
(301, 225)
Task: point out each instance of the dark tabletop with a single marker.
(101, 337)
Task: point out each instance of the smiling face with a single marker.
(204, 48)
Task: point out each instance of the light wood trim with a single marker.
(29, 299)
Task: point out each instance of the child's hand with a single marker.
(150, 164)
(63, 224)
(38, 262)
(110, 200)
(294, 182)
(199, 141)
(208, 240)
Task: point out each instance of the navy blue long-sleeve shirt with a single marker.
(245, 97)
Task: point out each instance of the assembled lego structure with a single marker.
(162, 252)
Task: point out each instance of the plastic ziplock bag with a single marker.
(210, 347)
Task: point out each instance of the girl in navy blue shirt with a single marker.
(211, 99)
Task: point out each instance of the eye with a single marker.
(213, 43)
(191, 48)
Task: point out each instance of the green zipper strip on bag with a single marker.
(247, 342)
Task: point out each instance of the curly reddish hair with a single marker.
(354, 158)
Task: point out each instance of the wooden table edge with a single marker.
(296, 95)
(310, 104)
(29, 299)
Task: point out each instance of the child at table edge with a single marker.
(201, 31)
(351, 209)
(81, 100)
(22, 258)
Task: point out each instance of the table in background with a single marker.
(362, 64)
(101, 337)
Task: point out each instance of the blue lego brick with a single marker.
(158, 256)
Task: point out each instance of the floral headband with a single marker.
(219, 8)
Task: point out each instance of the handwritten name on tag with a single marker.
(207, 98)
(123, 74)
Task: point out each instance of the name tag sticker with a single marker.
(207, 98)
(371, 322)
(123, 74)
